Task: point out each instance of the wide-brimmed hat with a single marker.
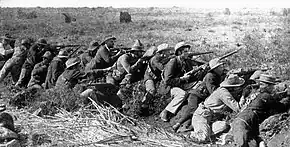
(232, 81)
(72, 61)
(108, 38)
(180, 45)
(7, 37)
(163, 47)
(41, 41)
(269, 79)
(137, 46)
(93, 45)
(62, 54)
(214, 63)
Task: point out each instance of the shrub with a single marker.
(227, 11)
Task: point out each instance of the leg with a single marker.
(193, 101)
(179, 96)
(150, 88)
(202, 130)
(25, 76)
(240, 132)
(6, 69)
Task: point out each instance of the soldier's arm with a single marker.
(230, 101)
(39, 68)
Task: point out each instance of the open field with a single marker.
(264, 33)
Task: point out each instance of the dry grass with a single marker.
(100, 126)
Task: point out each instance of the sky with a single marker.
(148, 3)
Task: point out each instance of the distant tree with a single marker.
(125, 17)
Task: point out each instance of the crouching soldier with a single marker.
(55, 69)
(130, 67)
(34, 56)
(104, 57)
(215, 105)
(39, 72)
(73, 74)
(245, 127)
(14, 64)
(87, 56)
(210, 83)
(176, 77)
(6, 47)
(154, 69)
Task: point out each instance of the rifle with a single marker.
(75, 50)
(191, 54)
(69, 45)
(126, 49)
(229, 54)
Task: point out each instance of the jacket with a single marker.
(175, 69)
(55, 69)
(155, 67)
(126, 64)
(220, 100)
(103, 59)
(38, 73)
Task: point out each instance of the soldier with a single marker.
(176, 76)
(154, 69)
(55, 69)
(129, 66)
(215, 105)
(39, 71)
(15, 63)
(34, 56)
(6, 47)
(245, 127)
(87, 56)
(73, 74)
(104, 58)
(210, 83)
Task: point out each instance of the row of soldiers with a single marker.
(208, 88)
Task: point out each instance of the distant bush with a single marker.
(227, 11)
(286, 11)
(24, 15)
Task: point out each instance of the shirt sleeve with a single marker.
(230, 101)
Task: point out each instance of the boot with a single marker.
(164, 115)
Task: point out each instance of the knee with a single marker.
(86, 93)
(178, 92)
(150, 87)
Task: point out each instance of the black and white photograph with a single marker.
(127, 73)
